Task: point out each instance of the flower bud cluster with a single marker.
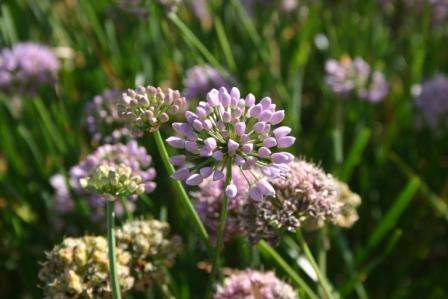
(146, 108)
(150, 248)
(79, 268)
(115, 181)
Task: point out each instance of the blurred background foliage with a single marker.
(397, 249)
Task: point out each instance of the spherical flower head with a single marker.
(201, 79)
(146, 108)
(306, 195)
(27, 66)
(131, 155)
(151, 250)
(249, 284)
(79, 268)
(103, 119)
(349, 202)
(348, 76)
(433, 102)
(229, 130)
(209, 199)
(114, 181)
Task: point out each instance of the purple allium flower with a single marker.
(201, 79)
(433, 101)
(209, 199)
(250, 284)
(346, 76)
(26, 66)
(147, 108)
(227, 129)
(130, 154)
(63, 202)
(103, 119)
(307, 193)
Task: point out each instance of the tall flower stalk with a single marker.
(181, 190)
(227, 130)
(222, 224)
(113, 181)
(110, 216)
(146, 109)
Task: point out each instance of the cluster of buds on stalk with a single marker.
(146, 108)
(114, 180)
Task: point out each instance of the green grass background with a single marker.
(398, 248)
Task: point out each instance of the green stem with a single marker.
(221, 227)
(268, 250)
(181, 191)
(323, 280)
(111, 249)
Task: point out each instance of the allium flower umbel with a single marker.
(114, 180)
(27, 66)
(151, 250)
(146, 108)
(229, 130)
(103, 120)
(201, 79)
(346, 76)
(117, 159)
(433, 101)
(251, 284)
(79, 268)
(209, 200)
(306, 194)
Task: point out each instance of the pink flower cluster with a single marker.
(229, 129)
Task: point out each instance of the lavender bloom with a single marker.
(27, 66)
(346, 76)
(433, 101)
(209, 199)
(201, 79)
(147, 108)
(229, 129)
(306, 194)
(250, 284)
(132, 155)
(104, 123)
